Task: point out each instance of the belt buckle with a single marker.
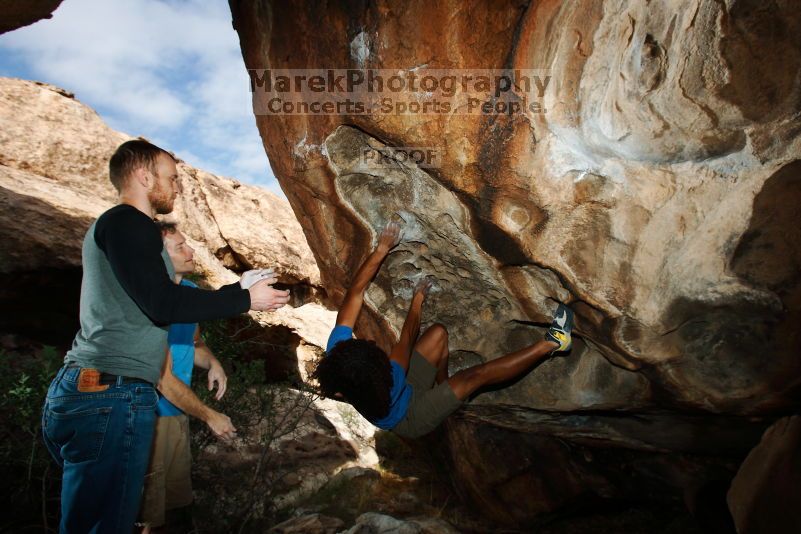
(89, 381)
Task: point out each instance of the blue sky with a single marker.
(170, 71)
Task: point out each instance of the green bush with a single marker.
(233, 490)
(235, 485)
(31, 479)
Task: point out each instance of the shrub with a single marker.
(235, 485)
(31, 479)
(234, 490)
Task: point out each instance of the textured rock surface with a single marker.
(765, 496)
(18, 13)
(437, 242)
(54, 182)
(368, 523)
(309, 524)
(656, 194)
(517, 464)
(289, 447)
(374, 523)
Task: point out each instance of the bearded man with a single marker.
(99, 414)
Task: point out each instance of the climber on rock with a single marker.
(408, 390)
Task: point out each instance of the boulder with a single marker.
(64, 146)
(654, 190)
(522, 466)
(290, 445)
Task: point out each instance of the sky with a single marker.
(168, 70)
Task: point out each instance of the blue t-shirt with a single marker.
(399, 396)
(181, 340)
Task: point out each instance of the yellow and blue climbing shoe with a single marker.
(560, 329)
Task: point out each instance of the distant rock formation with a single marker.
(54, 155)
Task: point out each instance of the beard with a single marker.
(161, 200)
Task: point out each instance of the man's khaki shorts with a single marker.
(431, 403)
(168, 482)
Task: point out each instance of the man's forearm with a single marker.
(133, 250)
(183, 397)
(203, 356)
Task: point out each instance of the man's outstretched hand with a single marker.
(264, 297)
(389, 238)
(256, 275)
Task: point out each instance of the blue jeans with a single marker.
(102, 441)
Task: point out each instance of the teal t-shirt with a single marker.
(181, 340)
(399, 396)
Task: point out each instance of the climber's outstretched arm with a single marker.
(402, 351)
(354, 298)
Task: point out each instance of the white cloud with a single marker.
(166, 70)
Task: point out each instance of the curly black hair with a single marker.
(360, 371)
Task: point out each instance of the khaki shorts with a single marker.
(431, 403)
(168, 482)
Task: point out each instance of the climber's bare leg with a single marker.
(466, 382)
(433, 346)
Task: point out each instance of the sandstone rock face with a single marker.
(437, 241)
(18, 13)
(309, 524)
(54, 182)
(518, 464)
(374, 523)
(656, 194)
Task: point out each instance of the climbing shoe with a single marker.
(559, 332)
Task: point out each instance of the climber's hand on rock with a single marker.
(423, 287)
(389, 237)
(255, 275)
